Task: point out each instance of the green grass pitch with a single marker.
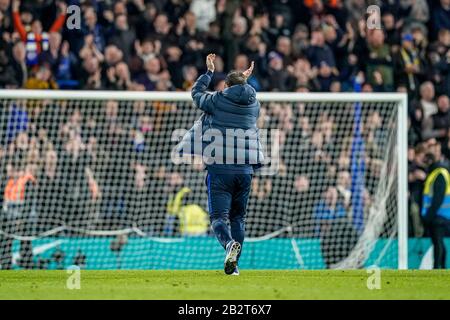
(337, 284)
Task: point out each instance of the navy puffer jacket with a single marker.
(230, 114)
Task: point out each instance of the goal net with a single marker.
(89, 179)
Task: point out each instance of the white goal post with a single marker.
(377, 165)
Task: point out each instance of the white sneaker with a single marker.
(233, 249)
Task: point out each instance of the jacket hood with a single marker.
(243, 94)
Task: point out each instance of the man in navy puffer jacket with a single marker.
(231, 113)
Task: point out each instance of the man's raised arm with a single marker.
(202, 99)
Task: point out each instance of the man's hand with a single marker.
(247, 73)
(62, 6)
(210, 62)
(15, 5)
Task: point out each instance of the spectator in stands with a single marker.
(213, 40)
(261, 188)
(379, 63)
(240, 64)
(157, 211)
(235, 39)
(174, 195)
(42, 78)
(57, 57)
(205, 11)
(437, 126)
(343, 187)
(138, 203)
(49, 204)
(189, 76)
(263, 197)
(122, 36)
(284, 48)
(326, 76)
(186, 29)
(162, 31)
(152, 74)
(319, 53)
(427, 100)
(173, 56)
(439, 120)
(300, 40)
(439, 57)
(391, 32)
(305, 76)
(5, 23)
(277, 77)
(90, 51)
(113, 55)
(441, 16)
(7, 72)
(420, 39)
(302, 192)
(118, 77)
(147, 49)
(79, 187)
(92, 71)
(375, 134)
(416, 178)
(36, 40)
(331, 218)
(94, 28)
(409, 67)
(19, 63)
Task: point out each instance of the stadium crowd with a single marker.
(160, 45)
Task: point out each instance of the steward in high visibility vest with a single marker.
(436, 208)
(14, 194)
(193, 220)
(19, 209)
(436, 194)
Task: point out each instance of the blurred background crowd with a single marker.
(307, 45)
(160, 45)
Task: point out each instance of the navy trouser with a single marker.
(227, 201)
(439, 228)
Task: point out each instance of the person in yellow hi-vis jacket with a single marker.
(193, 220)
(436, 207)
